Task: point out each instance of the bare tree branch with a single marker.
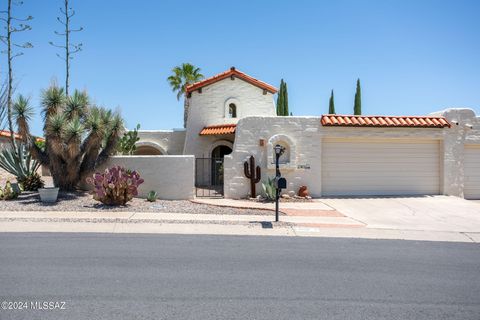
(10, 31)
(23, 20)
(60, 20)
(60, 56)
(56, 45)
(69, 48)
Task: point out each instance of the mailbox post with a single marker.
(280, 183)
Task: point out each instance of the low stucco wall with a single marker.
(172, 177)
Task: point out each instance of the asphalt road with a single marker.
(105, 276)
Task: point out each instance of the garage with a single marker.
(472, 172)
(353, 166)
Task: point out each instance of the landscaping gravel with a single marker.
(82, 201)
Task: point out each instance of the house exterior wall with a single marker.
(465, 130)
(172, 177)
(169, 142)
(210, 107)
(305, 135)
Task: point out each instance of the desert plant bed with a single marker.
(83, 201)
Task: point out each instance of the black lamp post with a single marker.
(279, 181)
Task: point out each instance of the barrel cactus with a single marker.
(116, 186)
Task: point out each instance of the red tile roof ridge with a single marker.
(384, 121)
(232, 71)
(380, 116)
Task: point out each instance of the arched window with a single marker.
(288, 160)
(232, 110)
(285, 157)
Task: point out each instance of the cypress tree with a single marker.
(280, 99)
(331, 105)
(357, 108)
(285, 100)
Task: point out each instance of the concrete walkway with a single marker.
(178, 223)
(157, 217)
(314, 204)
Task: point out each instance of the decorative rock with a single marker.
(285, 196)
(308, 197)
(291, 193)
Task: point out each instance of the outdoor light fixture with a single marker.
(280, 183)
(278, 150)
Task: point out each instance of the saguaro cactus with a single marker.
(253, 174)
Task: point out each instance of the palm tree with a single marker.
(78, 135)
(183, 76)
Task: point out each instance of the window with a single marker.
(232, 110)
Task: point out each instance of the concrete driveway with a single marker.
(429, 213)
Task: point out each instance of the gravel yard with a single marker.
(4, 176)
(82, 201)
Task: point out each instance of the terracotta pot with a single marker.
(303, 192)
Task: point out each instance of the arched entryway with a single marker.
(218, 153)
(147, 151)
(209, 171)
(221, 151)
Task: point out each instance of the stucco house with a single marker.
(232, 117)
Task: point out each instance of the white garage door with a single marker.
(472, 172)
(380, 167)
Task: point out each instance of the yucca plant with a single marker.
(78, 135)
(21, 164)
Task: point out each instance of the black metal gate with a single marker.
(209, 177)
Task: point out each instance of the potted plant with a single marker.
(48, 194)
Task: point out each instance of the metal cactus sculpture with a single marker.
(252, 173)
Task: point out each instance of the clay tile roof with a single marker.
(384, 121)
(235, 73)
(218, 129)
(6, 133)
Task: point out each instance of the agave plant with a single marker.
(116, 186)
(269, 189)
(78, 135)
(21, 164)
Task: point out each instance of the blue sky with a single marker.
(413, 57)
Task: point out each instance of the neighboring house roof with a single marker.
(231, 73)
(218, 129)
(384, 121)
(6, 133)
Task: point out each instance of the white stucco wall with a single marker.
(465, 130)
(307, 133)
(172, 177)
(209, 108)
(169, 142)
